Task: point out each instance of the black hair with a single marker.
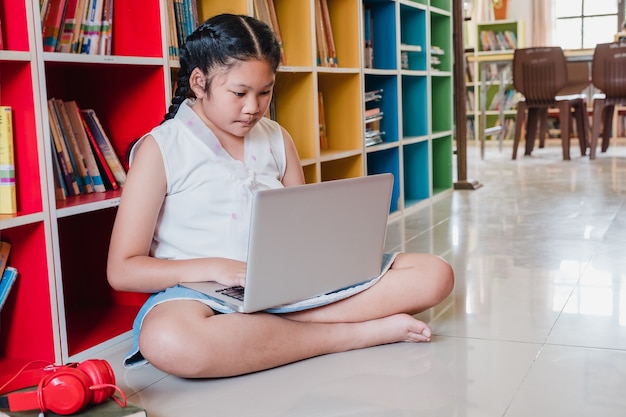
(219, 43)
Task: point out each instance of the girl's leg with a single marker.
(414, 283)
(186, 339)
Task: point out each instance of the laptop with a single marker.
(310, 240)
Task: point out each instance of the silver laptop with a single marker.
(310, 240)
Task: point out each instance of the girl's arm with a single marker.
(293, 172)
(130, 266)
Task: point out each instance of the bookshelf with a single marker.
(412, 65)
(61, 308)
(493, 51)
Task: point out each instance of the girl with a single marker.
(213, 150)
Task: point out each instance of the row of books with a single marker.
(373, 117)
(265, 10)
(326, 51)
(508, 101)
(182, 18)
(497, 41)
(77, 26)
(85, 159)
(8, 199)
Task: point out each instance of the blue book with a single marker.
(8, 279)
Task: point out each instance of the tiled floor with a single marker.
(536, 325)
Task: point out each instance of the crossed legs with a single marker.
(186, 338)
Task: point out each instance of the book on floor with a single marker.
(108, 408)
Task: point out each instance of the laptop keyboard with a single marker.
(234, 292)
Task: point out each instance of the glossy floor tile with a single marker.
(536, 324)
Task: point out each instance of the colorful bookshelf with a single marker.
(62, 308)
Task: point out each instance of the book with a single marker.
(106, 29)
(52, 22)
(322, 122)
(107, 408)
(60, 190)
(67, 28)
(6, 283)
(105, 171)
(328, 31)
(91, 27)
(5, 250)
(320, 36)
(69, 176)
(276, 28)
(8, 198)
(73, 112)
(76, 155)
(105, 146)
(172, 37)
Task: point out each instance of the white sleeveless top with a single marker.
(206, 212)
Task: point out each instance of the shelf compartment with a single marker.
(413, 36)
(15, 31)
(342, 110)
(17, 92)
(294, 95)
(137, 29)
(414, 106)
(388, 103)
(94, 312)
(441, 104)
(416, 173)
(135, 91)
(445, 5)
(344, 19)
(383, 17)
(296, 33)
(27, 326)
(442, 164)
(387, 161)
(440, 29)
(348, 167)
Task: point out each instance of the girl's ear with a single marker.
(197, 82)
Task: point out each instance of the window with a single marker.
(585, 23)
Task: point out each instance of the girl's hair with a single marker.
(218, 44)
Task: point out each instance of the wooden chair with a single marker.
(608, 74)
(540, 74)
(578, 79)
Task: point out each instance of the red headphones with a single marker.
(62, 389)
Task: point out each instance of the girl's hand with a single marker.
(228, 272)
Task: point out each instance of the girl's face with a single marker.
(238, 98)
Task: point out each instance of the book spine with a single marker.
(108, 178)
(105, 146)
(67, 29)
(67, 147)
(83, 142)
(52, 25)
(68, 173)
(328, 29)
(8, 279)
(106, 31)
(74, 148)
(8, 198)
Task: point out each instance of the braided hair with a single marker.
(219, 43)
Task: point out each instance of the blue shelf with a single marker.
(387, 161)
